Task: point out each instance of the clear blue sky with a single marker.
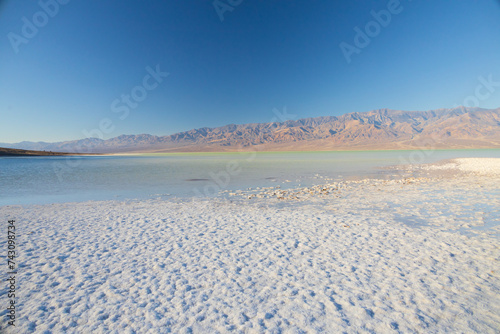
(64, 77)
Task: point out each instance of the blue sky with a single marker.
(71, 75)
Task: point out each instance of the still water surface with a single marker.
(42, 180)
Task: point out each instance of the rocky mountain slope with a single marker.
(378, 129)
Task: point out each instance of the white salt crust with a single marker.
(372, 257)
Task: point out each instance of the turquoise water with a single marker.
(42, 180)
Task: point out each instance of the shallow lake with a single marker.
(42, 180)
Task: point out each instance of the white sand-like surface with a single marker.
(402, 256)
(479, 166)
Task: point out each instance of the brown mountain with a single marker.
(378, 129)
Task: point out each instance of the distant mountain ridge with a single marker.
(378, 129)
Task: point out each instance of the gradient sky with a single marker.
(64, 78)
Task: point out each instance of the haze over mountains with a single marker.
(378, 129)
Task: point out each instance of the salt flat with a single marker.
(482, 166)
(409, 255)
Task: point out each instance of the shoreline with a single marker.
(209, 153)
(286, 152)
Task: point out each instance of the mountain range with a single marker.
(378, 129)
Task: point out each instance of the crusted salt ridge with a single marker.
(482, 166)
